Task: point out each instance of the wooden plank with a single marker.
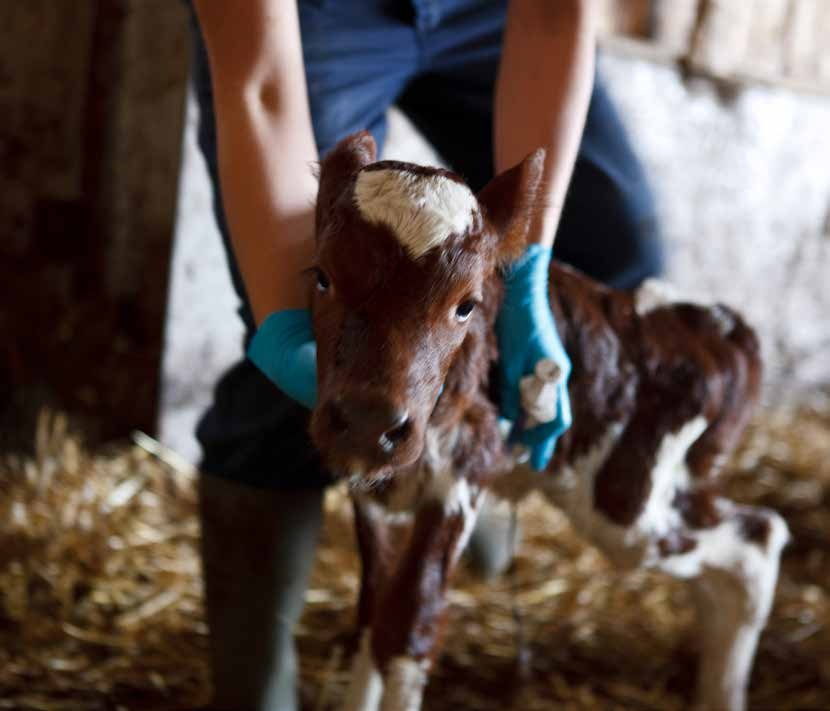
(768, 25)
(807, 41)
(44, 56)
(674, 23)
(45, 45)
(779, 42)
(607, 18)
(651, 52)
(634, 17)
(150, 116)
(722, 37)
(624, 17)
(821, 33)
(143, 164)
(90, 132)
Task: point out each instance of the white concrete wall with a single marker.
(744, 194)
(202, 335)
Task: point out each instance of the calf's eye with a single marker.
(464, 309)
(323, 282)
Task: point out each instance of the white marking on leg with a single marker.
(723, 547)
(366, 685)
(455, 493)
(669, 475)
(734, 583)
(421, 210)
(458, 498)
(405, 681)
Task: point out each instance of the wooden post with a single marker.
(91, 110)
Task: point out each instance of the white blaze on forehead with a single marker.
(421, 210)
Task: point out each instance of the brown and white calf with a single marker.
(407, 292)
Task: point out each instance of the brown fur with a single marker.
(653, 374)
(387, 342)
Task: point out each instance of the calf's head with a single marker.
(404, 256)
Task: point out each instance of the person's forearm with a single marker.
(542, 95)
(266, 145)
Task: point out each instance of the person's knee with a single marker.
(644, 256)
(634, 242)
(255, 534)
(228, 505)
(609, 230)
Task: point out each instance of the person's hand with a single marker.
(283, 348)
(527, 335)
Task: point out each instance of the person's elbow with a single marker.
(249, 62)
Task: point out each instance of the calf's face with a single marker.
(403, 255)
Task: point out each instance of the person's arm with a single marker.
(266, 153)
(266, 145)
(542, 93)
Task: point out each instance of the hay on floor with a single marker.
(100, 599)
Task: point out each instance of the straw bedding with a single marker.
(100, 600)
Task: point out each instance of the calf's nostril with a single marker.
(393, 437)
(337, 418)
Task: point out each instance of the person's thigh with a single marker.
(358, 58)
(356, 61)
(608, 228)
(451, 100)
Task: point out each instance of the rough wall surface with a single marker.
(744, 194)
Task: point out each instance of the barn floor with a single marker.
(100, 599)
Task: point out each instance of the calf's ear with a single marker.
(511, 200)
(342, 162)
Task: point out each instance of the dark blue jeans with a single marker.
(437, 60)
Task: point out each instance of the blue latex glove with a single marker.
(283, 348)
(527, 334)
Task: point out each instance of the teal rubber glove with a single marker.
(526, 334)
(283, 348)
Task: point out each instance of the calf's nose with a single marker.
(371, 420)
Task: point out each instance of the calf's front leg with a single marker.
(409, 612)
(374, 538)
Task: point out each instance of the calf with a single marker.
(408, 288)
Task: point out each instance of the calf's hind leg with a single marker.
(728, 553)
(732, 566)
(652, 518)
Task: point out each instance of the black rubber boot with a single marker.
(257, 551)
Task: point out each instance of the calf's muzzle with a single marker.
(371, 428)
